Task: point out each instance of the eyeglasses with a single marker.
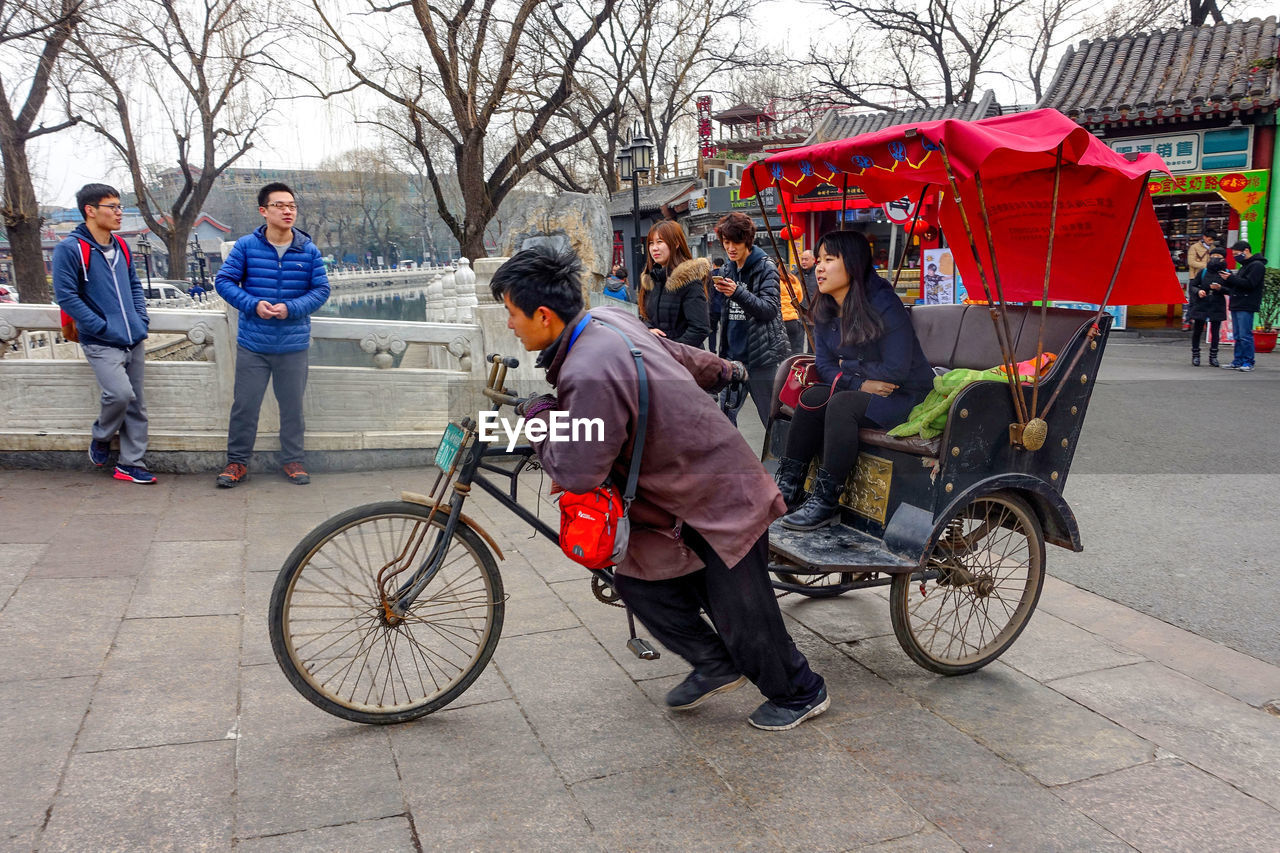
(114, 208)
(283, 205)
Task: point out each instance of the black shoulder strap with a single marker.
(642, 421)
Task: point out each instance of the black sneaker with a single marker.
(98, 452)
(775, 718)
(695, 690)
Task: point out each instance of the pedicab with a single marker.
(390, 611)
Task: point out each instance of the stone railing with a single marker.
(48, 404)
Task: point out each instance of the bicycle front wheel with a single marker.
(333, 640)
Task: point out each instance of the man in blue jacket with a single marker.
(95, 284)
(276, 278)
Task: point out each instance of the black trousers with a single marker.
(749, 636)
(831, 427)
(760, 389)
(1197, 335)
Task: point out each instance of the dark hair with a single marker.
(541, 276)
(621, 272)
(1217, 263)
(1218, 250)
(736, 228)
(672, 234)
(1209, 234)
(92, 194)
(717, 261)
(1242, 246)
(859, 323)
(264, 194)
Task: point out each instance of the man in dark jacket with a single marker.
(751, 324)
(1244, 286)
(699, 523)
(276, 278)
(96, 285)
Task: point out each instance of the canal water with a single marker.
(348, 353)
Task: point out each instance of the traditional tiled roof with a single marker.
(743, 112)
(841, 125)
(1224, 68)
(652, 197)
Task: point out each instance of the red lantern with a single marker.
(791, 232)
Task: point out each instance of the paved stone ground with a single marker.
(143, 711)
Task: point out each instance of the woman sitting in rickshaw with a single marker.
(872, 371)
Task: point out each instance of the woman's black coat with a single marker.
(1213, 307)
(677, 303)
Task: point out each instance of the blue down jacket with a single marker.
(254, 272)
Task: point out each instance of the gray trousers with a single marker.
(124, 409)
(288, 374)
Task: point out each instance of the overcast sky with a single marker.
(307, 132)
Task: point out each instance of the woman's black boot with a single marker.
(790, 480)
(821, 508)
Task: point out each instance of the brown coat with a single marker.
(696, 468)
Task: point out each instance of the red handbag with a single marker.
(802, 376)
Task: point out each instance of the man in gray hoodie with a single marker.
(96, 286)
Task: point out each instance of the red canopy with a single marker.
(1015, 157)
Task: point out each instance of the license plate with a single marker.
(448, 449)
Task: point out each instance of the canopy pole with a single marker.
(1048, 265)
(782, 273)
(1093, 330)
(1020, 399)
(844, 201)
(1005, 350)
(784, 276)
(914, 220)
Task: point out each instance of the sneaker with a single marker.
(695, 690)
(1230, 367)
(233, 475)
(98, 452)
(134, 474)
(1245, 368)
(775, 718)
(296, 473)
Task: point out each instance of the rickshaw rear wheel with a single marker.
(976, 590)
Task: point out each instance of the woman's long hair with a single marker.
(673, 235)
(859, 322)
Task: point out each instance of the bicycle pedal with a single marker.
(643, 649)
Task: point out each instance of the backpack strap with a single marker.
(86, 254)
(642, 419)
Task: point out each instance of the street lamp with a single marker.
(198, 254)
(635, 160)
(144, 249)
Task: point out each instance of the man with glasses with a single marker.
(96, 286)
(276, 278)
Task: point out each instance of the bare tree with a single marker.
(33, 36)
(498, 76)
(185, 71)
(912, 54)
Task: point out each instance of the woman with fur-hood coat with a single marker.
(673, 287)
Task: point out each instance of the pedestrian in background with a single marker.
(1208, 306)
(673, 287)
(715, 304)
(275, 277)
(791, 292)
(95, 284)
(1197, 258)
(809, 272)
(1244, 286)
(615, 286)
(751, 324)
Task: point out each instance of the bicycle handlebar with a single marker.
(499, 364)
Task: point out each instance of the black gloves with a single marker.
(531, 406)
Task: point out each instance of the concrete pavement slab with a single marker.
(390, 833)
(1050, 648)
(966, 791)
(1029, 725)
(119, 497)
(15, 562)
(930, 840)
(584, 708)
(141, 643)
(1236, 743)
(41, 720)
(1170, 805)
(854, 616)
(199, 578)
(255, 641)
(467, 796)
(299, 768)
(681, 805)
(194, 517)
(161, 798)
(100, 545)
(1235, 674)
(60, 627)
(531, 606)
(166, 702)
(271, 538)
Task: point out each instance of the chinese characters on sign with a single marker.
(1181, 153)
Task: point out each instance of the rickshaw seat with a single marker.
(909, 444)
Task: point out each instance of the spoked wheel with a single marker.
(979, 586)
(334, 640)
